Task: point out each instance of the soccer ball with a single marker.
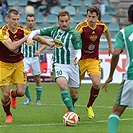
(70, 119)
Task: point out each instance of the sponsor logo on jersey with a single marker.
(91, 47)
(93, 38)
(58, 43)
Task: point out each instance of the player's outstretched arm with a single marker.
(45, 41)
(110, 49)
(114, 61)
(32, 35)
(40, 50)
(14, 45)
(106, 83)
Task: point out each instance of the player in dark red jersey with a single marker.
(91, 30)
(11, 64)
(12, 37)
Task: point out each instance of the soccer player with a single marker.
(67, 52)
(12, 37)
(91, 30)
(31, 60)
(124, 98)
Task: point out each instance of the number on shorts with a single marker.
(59, 72)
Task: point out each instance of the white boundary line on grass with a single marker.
(58, 124)
(80, 106)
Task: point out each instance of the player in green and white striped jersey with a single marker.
(67, 52)
(124, 98)
(29, 51)
(31, 60)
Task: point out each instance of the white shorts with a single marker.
(70, 72)
(34, 64)
(125, 94)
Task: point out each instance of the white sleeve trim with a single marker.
(78, 54)
(34, 33)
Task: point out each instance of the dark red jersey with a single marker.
(5, 54)
(91, 38)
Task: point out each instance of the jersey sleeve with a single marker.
(119, 41)
(105, 28)
(79, 28)
(26, 31)
(46, 31)
(4, 37)
(76, 40)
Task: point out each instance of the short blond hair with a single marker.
(12, 11)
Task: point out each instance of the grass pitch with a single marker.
(48, 117)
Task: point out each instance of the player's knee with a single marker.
(6, 95)
(96, 86)
(21, 93)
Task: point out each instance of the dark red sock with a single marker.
(14, 94)
(93, 95)
(6, 107)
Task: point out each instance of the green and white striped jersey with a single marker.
(66, 43)
(124, 40)
(28, 51)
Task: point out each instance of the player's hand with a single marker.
(110, 50)
(30, 41)
(51, 45)
(106, 83)
(26, 37)
(37, 53)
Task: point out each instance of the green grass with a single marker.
(48, 117)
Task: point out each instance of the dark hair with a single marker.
(12, 11)
(30, 15)
(63, 13)
(130, 13)
(95, 9)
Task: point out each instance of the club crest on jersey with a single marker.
(5, 37)
(58, 43)
(93, 38)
